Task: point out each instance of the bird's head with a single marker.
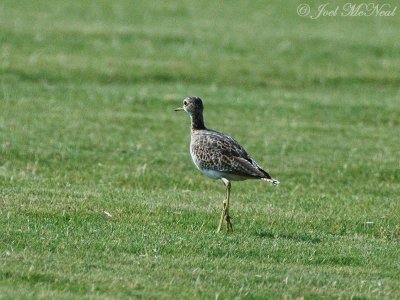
(192, 105)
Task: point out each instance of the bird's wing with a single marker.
(223, 153)
(243, 167)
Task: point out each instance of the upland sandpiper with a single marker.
(219, 156)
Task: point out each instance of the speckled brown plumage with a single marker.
(219, 156)
(212, 150)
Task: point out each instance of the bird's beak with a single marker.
(178, 108)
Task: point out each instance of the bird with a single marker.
(219, 156)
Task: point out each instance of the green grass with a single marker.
(87, 129)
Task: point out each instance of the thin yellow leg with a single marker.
(225, 211)
(222, 216)
(227, 217)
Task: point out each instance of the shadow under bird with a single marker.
(219, 156)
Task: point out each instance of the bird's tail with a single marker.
(268, 178)
(271, 180)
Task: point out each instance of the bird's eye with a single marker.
(185, 102)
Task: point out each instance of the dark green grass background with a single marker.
(98, 194)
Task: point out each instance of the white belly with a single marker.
(212, 173)
(218, 175)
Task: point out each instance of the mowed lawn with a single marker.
(99, 198)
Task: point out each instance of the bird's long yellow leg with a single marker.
(222, 216)
(225, 211)
(227, 217)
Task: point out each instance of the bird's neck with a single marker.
(197, 121)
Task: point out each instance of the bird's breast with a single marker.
(194, 156)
